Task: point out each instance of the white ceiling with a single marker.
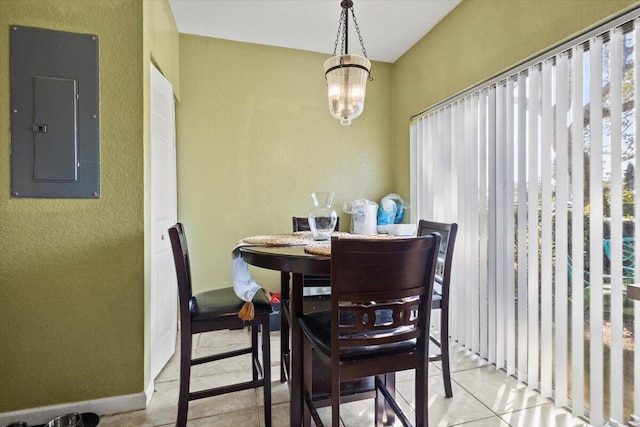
(388, 27)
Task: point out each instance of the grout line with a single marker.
(480, 419)
(474, 396)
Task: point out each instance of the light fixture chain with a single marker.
(340, 31)
(364, 51)
(344, 17)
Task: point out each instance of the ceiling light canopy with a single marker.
(347, 74)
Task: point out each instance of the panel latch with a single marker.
(41, 128)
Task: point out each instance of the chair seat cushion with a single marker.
(218, 303)
(317, 327)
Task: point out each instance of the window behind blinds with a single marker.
(537, 166)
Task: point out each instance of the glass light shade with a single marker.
(346, 83)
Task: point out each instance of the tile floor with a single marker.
(482, 396)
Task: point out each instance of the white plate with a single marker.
(398, 229)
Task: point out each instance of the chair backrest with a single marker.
(183, 269)
(302, 224)
(448, 234)
(381, 290)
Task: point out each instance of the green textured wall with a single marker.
(477, 40)
(255, 138)
(72, 271)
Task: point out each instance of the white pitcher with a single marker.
(364, 216)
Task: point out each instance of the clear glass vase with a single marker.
(322, 218)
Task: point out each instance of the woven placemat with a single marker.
(324, 248)
(319, 248)
(367, 236)
(279, 240)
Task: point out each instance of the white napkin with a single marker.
(243, 284)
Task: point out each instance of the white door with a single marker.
(164, 291)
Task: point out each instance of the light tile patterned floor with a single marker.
(482, 395)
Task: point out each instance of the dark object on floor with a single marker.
(89, 419)
(68, 420)
(274, 317)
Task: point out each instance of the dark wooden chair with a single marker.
(313, 280)
(213, 311)
(381, 292)
(302, 224)
(441, 291)
(316, 291)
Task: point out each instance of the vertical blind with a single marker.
(538, 169)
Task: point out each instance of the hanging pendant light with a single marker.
(347, 74)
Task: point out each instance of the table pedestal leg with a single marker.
(284, 326)
(296, 352)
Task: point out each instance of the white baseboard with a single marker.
(104, 406)
(151, 387)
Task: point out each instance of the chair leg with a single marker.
(390, 384)
(254, 351)
(383, 407)
(422, 395)
(379, 402)
(185, 376)
(307, 369)
(266, 367)
(444, 352)
(335, 395)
